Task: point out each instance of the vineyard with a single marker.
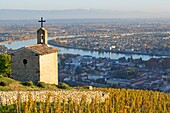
(119, 101)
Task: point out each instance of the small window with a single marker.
(42, 37)
(25, 61)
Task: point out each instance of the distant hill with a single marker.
(10, 14)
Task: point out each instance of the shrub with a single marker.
(41, 84)
(5, 65)
(29, 83)
(4, 83)
(63, 85)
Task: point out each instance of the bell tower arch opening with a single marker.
(42, 34)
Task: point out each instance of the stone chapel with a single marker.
(38, 62)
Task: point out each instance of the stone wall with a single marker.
(10, 97)
(29, 70)
(49, 68)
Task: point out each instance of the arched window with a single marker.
(42, 38)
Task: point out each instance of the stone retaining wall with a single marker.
(11, 97)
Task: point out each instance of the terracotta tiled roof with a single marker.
(42, 49)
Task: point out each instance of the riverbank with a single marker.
(10, 41)
(51, 42)
(65, 50)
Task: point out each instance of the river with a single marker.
(19, 44)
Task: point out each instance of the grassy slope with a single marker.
(18, 86)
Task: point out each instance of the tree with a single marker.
(122, 59)
(5, 65)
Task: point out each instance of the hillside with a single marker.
(13, 85)
(119, 101)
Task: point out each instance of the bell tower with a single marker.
(42, 34)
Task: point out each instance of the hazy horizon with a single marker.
(12, 14)
(83, 9)
(114, 5)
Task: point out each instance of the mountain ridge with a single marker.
(19, 14)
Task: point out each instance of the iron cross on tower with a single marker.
(41, 21)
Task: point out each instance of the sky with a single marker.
(118, 5)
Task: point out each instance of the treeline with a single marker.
(119, 101)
